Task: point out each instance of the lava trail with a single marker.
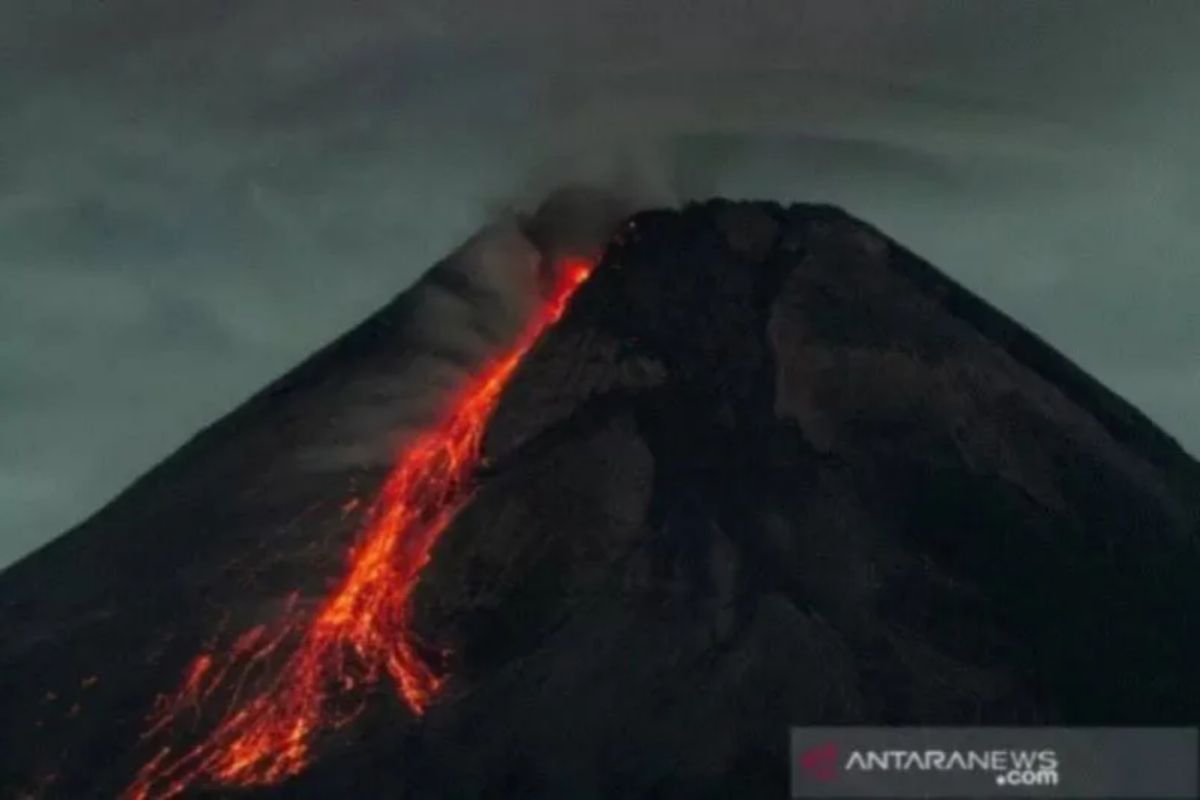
(361, 632)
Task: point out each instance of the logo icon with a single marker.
(821, 762)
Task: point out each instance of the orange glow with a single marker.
(361, 632)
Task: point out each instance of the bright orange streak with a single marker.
(362, 630)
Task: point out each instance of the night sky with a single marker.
(195, 195)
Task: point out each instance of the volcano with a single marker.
(734, 467)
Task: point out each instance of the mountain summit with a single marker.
(755, 466)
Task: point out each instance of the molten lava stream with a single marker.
(361, 631)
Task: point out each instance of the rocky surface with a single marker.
(770, 469)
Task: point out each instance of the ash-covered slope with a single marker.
(769, 469)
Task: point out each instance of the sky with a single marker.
(196, 195)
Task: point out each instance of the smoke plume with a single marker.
(467, 308)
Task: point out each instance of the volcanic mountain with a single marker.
(751, 466)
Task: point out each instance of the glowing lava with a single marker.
(361, 632)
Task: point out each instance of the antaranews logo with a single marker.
(1009, 767)
(995, 762)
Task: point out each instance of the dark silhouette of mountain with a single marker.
(770, 468)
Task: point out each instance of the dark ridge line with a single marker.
(361, 341)
(1123, 420)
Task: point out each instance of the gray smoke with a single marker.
(467, 309)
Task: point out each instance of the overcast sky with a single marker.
(196, 194)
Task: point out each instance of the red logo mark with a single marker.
(821, 762)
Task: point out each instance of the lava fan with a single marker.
(600, 510)
(362, 631)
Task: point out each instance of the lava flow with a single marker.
(361, 632)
